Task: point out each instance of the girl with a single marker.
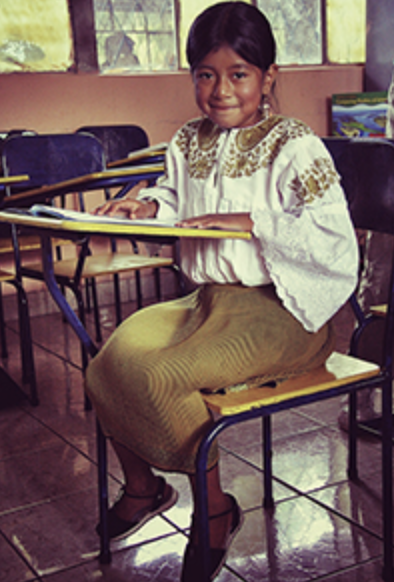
(261, 310)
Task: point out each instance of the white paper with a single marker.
(42, 210)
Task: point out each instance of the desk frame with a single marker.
(55, 228)
(47, 229)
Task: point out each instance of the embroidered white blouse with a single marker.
(280, 172)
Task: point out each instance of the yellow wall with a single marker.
(161, 103)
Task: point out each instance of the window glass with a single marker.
(140, 35)
(35, 35)
(135, 35)
(297, 29)
(346, 31)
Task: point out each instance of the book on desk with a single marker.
(43, 210)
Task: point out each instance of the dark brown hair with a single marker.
(241, 26)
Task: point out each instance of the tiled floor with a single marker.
(322, 528)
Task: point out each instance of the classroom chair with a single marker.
(118, 142)
(26, 345)
(50, 159)
(26, 244)
(367, 170)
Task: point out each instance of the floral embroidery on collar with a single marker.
(250, 148)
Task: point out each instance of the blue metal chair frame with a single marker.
(92, 350)
(26, 346)
(356, 187)
(49, 159)
(28, 368)
(118, 142)
(367, 170)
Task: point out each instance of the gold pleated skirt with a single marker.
(145, 382)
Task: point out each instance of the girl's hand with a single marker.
(128, 208)
(240, 221)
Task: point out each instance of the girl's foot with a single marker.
(130, 512)
(222, 529)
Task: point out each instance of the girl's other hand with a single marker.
(237, 221)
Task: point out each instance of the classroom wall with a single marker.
(160, 103)
(49, 103)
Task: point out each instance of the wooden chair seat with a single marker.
(6, 276)
(339, 369)
(26, 243)
(379, 310)
(238, 405)
(107, 264)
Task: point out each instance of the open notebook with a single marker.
(42, 210)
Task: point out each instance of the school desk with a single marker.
(148, 156)
(10, 390)
(5, 180)
(111, 178)
(48, 228)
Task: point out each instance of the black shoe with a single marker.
(192, 564)
(162, 500)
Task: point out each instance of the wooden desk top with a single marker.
(123, 228)
(97, 180)
(4, 180)
(150, 153)
(156, 157)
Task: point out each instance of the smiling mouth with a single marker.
(223, 107)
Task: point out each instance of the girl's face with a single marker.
(229, 90)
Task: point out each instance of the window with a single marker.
(131, 36)
(135, 35)
(297, 28)
(301, 27)
(35, 35)
(346, 31)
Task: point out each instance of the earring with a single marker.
(265, 107)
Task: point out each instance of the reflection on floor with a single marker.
(322, 528)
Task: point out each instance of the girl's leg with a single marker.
(225, 520)
(218, 503)
(141, 484)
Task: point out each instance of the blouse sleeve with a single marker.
(307, 239)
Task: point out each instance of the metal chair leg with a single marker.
(26, 344)
(105, 552)
(387, 481)
(3, 338)
(156, 274)
(96, 311)
(118, 306)
(268, 501)
(138, 289)
(202, 506)
(352, 438)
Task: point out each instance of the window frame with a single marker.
(85, 49)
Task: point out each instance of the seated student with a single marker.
(262, 307)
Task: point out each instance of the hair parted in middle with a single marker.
(241, 26)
